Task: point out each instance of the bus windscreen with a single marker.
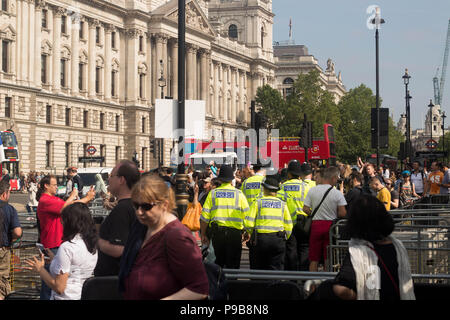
(8, 139)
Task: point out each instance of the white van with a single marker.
(201, 160)
(87, 175)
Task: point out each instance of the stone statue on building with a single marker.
(330, 66)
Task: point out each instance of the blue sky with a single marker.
(413, 37)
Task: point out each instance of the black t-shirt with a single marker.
(347, 277)
(352, 196)
(115, 229)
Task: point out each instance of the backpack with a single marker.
(216, 278)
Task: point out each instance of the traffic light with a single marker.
(152, 146)
(305, 134)
(384, 127)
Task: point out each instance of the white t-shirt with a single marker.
(74, 258)
(417, 180)
(328, 208)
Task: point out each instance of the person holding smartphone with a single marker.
(49, 213)
(76, 257)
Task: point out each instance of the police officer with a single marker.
(270, 225)
(291, 193)
(252, 186)
(223, 215)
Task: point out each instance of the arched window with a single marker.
(288, 81)
(262, 37)
(233, 31)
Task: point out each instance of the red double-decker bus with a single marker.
(281, 150)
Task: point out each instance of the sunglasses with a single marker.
(144, 206)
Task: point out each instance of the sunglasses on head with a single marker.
(144, 206)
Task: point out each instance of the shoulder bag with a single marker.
(307, 221)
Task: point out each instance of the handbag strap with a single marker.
(387, 271)
(324, 196)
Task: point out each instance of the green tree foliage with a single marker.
(351, 117)
(307, 97)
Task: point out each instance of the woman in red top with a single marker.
(161, 259)
(49, 215)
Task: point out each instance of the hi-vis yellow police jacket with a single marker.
(252, 187)
(268, 215)
(225, 205)
(294, 192)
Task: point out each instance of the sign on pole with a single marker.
(166, 119)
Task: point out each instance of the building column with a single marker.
(226, 70)
(216, 111)
(191, 71)
(37, 43)
(93, 24)
(204, 76)
(57, 49)
(132, 83)
(19, 40)
(165, 64)
(75, 35)
(31, 43)
(233, 73)
(174, 69)
(107, 76)
(241, 107)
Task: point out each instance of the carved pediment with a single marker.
(8, 32)
(195, 18)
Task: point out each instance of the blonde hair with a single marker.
(151, 189)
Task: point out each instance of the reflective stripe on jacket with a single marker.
(268, 215)
(225, 205)
(252, 188)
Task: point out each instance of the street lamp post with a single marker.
(161, 83)
(162, 80)
(406, 78)
(377, 21)
(443, 133)
(431, 105)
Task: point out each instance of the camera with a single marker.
(41, 249)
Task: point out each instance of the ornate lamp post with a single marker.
(162, 80)
(431, 105)
(443, 132)
(406, 78)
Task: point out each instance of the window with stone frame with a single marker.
(142, 72)
(48, 114)
(63, 73)
(68, 116)
(6, 55)
(44, 18)
(48, 154)
(233, 31)
(117, 123)
(102, 121)
(82, 71)
(5, 5)
(63, 24)
(8, 107)
(44, 68)
(99, 76)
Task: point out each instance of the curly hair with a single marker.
(368, 219)
(76, 219)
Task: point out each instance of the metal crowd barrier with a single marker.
(19, 277)
(428, 244)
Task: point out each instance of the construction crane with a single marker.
(439, 85)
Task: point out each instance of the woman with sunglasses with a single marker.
(394, 193)
(161, 259)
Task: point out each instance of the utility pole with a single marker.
(181, 178)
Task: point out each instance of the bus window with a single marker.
(8, 139)
(330, 133)
(332, 149)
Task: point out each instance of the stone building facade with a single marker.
(79, 73)
(292, 60)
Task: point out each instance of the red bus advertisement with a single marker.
(281, 150)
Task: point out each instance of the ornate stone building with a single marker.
(292, 60)
(76, 73)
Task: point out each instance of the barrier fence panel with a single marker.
(428, 244)
(21, 278)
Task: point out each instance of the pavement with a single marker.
(18, 200)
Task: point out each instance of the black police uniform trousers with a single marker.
(227, 243)
(269, 251)
(291, 255)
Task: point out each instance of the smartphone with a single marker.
(41, 249)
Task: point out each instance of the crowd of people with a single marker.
(282, 217)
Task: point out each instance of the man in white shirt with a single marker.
(332, 207)
(418, 178)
